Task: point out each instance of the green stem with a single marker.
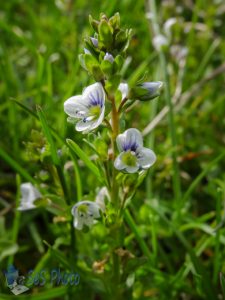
(115, 198)
(115, 131)
(172, 128)
(123, 102)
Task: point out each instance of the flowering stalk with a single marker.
(103, 103)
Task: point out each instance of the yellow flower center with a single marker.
(129, 159)
(95, 111)
(82, 208)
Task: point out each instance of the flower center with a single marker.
(82, 208)
(95, 111)
(129, 158)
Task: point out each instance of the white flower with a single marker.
(133, 156)
(109, 57)
(88, 108)
(124, 89)
(102, 196)
(29, 195)
(167, 26)
(94, 42)
(84, 213)
(86, 51)
(160, 41)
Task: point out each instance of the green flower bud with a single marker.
(114, 21)
(94, 23)
(146, 91)
(105, 34)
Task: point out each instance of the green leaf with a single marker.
(200, 176)
(60, 256)
(107, 67)
(222, 282)
(17, 167)
(7, 248)
(119, 60)
(74, 148)
(105, 33)
(97, 73)
(94, 23)
(47, 133)
(90, 61)
(114, 21)
(199, 267)
(54, 154)
(112, 84)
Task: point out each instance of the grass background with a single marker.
(39, 47)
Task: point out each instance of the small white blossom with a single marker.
(167, 26)
(133, 156)
(87, 109)
(86, 51)
(124, 89)
(160, 41)
(84, 213)
(102, 197)
(109, 57)
(29, 194)
(150, 89)
(94, 42)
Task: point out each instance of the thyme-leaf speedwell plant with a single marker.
(120, 161)
(103, 58)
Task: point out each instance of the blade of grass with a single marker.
(217, 255)
(172, 127)
(36, 237)
(222, 282)
(208, 288)
(200, 176)
(77, 177)
(83, 156)
(206, 59)
(17, 167)
(16, 221)
(135, 230)
(47, 133)
(54, 154)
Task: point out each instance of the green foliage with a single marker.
(173, 245)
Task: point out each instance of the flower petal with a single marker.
(146, 158)
(86, 218)
(118, 163)
(102, 195)
(84, 126)
(132, 169)
(89, 221)
(124, 89)
(74, 106)
(29, 195)
(131, 139)
(98, 122)
(109, 57)
(78, 222)
(94, 94)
